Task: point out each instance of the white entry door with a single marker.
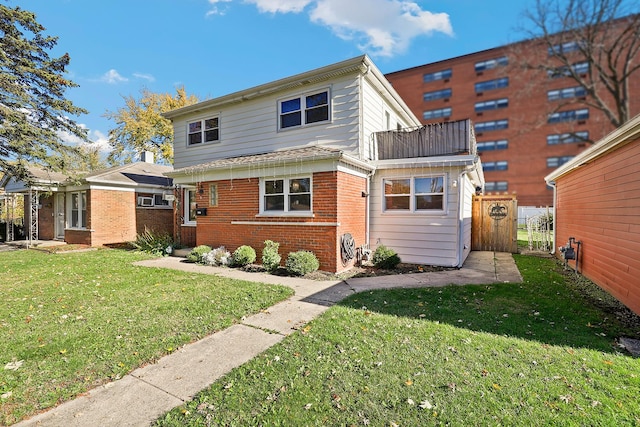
(59, 213)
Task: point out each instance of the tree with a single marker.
(33, 109)
(141, 126)
(599, 32)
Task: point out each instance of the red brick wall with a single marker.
(46, 230)
(351, 213)
(158, 220)
(598, 204)
(111, 215)
(238, 200)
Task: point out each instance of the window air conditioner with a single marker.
(145, 201)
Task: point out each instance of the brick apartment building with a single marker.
(527, 122)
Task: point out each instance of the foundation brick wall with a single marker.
(238, 200)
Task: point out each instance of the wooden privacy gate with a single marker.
(494, 224)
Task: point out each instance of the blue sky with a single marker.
(215, 47)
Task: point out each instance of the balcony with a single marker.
(431, 140)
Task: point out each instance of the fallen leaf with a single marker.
(6, 395)
(425, 404)
(496, 386)
(13, 366)
(411, 402)
(408, 382)
(307, 406)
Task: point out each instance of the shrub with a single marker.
(217, 257)
(301, 263)
(198, 252)
(244, 255)
(155, 243)
(270, 256)
(385, 258)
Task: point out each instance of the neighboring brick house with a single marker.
(300, 161)
(104, 207)
(597, 202)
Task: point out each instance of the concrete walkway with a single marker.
(145, 394)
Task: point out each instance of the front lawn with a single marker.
(72, 321)
(536, 353)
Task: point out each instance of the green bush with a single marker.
(270, 256)
(385, 258)
(198, 252)
(244, 255)
(301, 263)
(155, 243)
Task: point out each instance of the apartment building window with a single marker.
(437, 94)
(564, 71)
(563, 48)
(502, 165)
(304, 110)
(496, 186)
(203, 131)
(438, 75)
(567, 138)
(554, 162)
(492, 84)
(491, 64)
(79, 209)
(568, 116)
(418, 194)
(286, 195)
(491, 125)
(501, 144)
(434, 114)
(494, 104)
(566, 93)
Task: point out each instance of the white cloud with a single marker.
(113, 77)
(280, 6)
(143, 76)
(380, 27)
(216, 9)
(96, 138)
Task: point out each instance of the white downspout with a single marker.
(555, 202)
(460, 186)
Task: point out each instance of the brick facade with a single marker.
(159, 220)
(338, 207)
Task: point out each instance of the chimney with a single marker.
(146, 156)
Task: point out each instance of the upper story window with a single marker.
(502, 144)
(554, 162)
(286, 195)
(492, 84)
(494, 104)
(491, 125)
(437, 94)
(434, 114)
(569, 92)
(79, 209)
(568, 116)
(418, 194)
(502, 165)
(564, 71)
(563, 48)
(491, 63)
(203, 131)
(304, 110)
(567, 138)
(496, 186)
(438, 75)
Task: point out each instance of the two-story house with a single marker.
(331, 161)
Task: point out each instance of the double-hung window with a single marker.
(418, 194)
(79, 209)
(286, 195)
(304, 110)
(203, 131)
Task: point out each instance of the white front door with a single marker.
(59, 214)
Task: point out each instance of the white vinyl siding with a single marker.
(417, 236)
(251, 127)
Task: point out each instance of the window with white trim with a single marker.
(304, 110)
(286, 195)
(78, 209)
(203, 131)
(417, 194)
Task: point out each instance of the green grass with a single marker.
(72, 321)
(536, 353)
